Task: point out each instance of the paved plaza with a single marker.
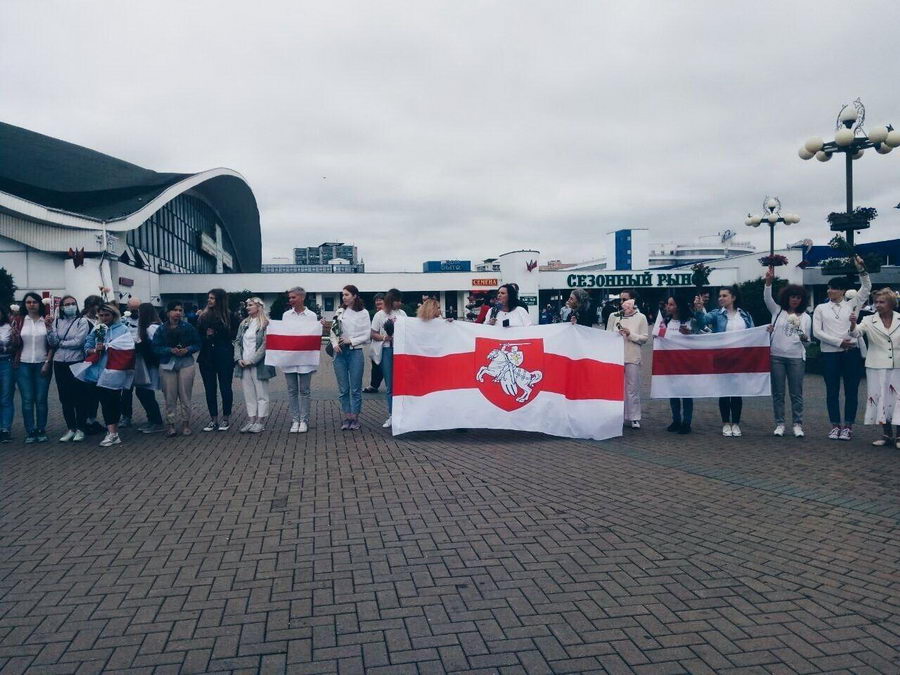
(475, 551)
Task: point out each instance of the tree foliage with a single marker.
(8, 288)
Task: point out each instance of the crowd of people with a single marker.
(81, 348)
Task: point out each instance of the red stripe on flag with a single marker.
(120, 359)
(294, 343)
(576, 379)
(711, 361)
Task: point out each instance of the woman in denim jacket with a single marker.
(729, 317)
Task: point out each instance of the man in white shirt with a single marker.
(298, 377)
(840, 352)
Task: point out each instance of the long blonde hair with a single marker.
(430, 309)
(262, 316)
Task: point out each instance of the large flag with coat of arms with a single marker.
(710, 365)
(118, 372)
(558, 379)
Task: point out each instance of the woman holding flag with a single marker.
(251, 368)
(383, 345)
(109, 367)
(729, 317)
(351, 331)
(676, 316)
(509, 312)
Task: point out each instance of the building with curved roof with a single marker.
(133, 224)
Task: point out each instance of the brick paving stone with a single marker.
(484, 551)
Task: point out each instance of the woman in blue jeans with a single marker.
(33, 366)
(351, 331)
(729, 317)
(9, 345)
(383, 344)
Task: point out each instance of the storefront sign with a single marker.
(630, 280)
(484, 282)
(530, 300)
(125, 281)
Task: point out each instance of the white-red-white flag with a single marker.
(293, 343)
(118, 371)
(711, 364)
(558, 379)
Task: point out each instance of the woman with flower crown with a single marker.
(791, 329)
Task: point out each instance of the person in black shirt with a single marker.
(217, 326)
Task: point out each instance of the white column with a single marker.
(520, 267)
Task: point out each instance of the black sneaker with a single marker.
(95, 428)
(370, 390)
(5, 437)
(212, 426)
(675, 426)
(684, 429)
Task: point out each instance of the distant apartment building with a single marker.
(323, 253)
(333, 266)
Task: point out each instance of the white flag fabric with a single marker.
(710, 365)
(294, 343)
(558, 379)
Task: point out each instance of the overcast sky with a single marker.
(432, 130)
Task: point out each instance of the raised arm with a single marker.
(771, 305)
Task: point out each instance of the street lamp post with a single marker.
(772, 216)
(851, 139)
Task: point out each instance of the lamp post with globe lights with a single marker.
(851, 139)
(771, 216)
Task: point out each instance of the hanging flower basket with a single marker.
(700, 274)
(859, 219)
(775, 260)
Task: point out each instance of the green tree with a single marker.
(8, 288)
(752, 299)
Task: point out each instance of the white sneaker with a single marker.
(736, 430)
(798, 431)
(779, 430)
(255, 428)
(834, 433)
(78, 437)
(302, 428)
(846, 434)
(635, 424)
(295, 428)
(387, 424)
(68, 436)
(726, 430)
(244, 429)
(111, 439)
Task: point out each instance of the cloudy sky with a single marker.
(431, 130)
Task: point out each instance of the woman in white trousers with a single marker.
(250, 357)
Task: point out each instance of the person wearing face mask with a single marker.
(67, 336)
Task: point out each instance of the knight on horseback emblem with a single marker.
(505, 368)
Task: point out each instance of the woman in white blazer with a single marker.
(882, 331)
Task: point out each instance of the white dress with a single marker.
(883, 399)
